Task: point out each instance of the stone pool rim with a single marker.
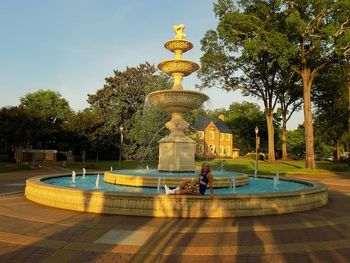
(161, 205)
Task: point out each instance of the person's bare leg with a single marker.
(184, 183)
(185, 192)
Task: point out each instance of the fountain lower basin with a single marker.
(157, 204)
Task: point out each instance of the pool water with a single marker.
(255, 186)
(156, 173)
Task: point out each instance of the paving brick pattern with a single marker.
(34, 233)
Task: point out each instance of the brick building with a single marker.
(214, 138)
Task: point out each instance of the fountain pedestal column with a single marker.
(176, 154)
(176, 151)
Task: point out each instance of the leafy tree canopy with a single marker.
(121, 103)
(21, 128)
(47, 101)
(331, 101)
(242, 118)
(296, 141)
(256, 36)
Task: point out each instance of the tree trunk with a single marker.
(309, 131)
(19, 153)
(349, 113)
(83, 155)
(284, 136)
(336, 157)
(271, 135)
(97, 151)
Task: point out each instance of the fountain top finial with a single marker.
(179, 30)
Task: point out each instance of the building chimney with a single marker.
(222, 117)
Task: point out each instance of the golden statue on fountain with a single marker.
(179, 30)
(177, 151)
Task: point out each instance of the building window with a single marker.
(212, 149)
(221, 136)
(222, 150)
(227, 150)
(201, 135)
(228, 137)
(211, 133)
(49, 156)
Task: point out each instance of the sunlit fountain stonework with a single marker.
(177, 151)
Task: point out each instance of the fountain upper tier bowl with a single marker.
(171, 66)
(175, 45)
(177, 100)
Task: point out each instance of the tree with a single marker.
(148, 129)
(290, 101)
(21, 128)
(330, 98)
(296, 142)
(244, 52)
(47, 101)
(121, 102)
(305, 36)
(319, 30)
(242, 118)
(82, 128)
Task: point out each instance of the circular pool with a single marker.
(260, 197)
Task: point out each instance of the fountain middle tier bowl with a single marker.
(186, 67)
(177, 100)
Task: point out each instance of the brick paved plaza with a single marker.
(34, 233)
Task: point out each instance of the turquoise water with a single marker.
(156, 173)
(255, 186)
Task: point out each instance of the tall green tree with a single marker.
(330, 99)
(242, 118)
(320, 31)
(296, 142)
(47, 101)
(305, 36)
(82, 128)
(244, 52)
(20, 128)
(120, 104)
(290, 101)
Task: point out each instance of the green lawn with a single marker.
(283, 167)
(106, 165)
(240, 165)
(6, 167)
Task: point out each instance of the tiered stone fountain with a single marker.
(177, 151)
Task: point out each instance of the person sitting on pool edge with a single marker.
(195, 186)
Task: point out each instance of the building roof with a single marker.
(203, 121)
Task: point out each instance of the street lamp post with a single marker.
(256, 151)
(120, 146)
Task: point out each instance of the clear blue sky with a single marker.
(72, 45)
